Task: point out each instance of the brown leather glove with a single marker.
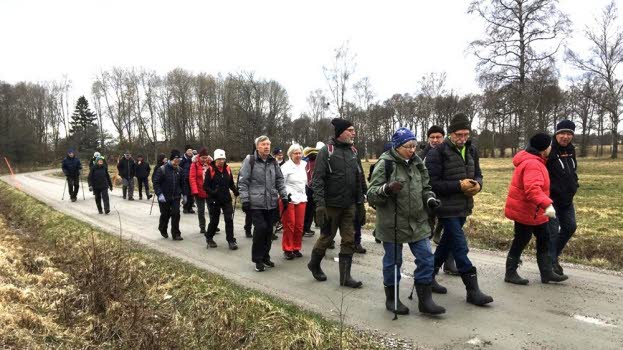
(472, 191)
(466, 185)
(393, 187)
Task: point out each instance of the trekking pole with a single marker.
(395, 257)
(234, 211)
(286, 207)
(64, 187)
(82, 185)
(152, 203)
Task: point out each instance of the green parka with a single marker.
(412, 216)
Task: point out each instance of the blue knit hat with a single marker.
(402, 136)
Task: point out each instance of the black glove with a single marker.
(285, 202)
(392, 187)
(321, 217)
(90, 188)
(433, 203)
(110, 188)
(246, 206)
(361, 213)
(236, 192)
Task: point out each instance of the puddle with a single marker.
(593, 321)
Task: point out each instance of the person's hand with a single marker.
(90, 188)
(466, 184)
(321, 217)
(361, 214)
(285, 202)
(236, 192)
(246, 206)
(161, 198)
(550, 212)
(472, 191)
(392, 187)
(433, 203)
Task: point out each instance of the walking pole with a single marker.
(64, 187)
(395, 257)
(152, 203)
(82, 185)
(234, 211)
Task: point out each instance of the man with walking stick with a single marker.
(71, 168)
(400, 191)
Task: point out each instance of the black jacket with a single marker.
(92, 163)
(337, 181)
(562, 167)
(185, 164)
(446, 168)
(71, 166)
(99, 178)
(424, 152)
(142, 170)
(126, 168)
(168, 181)
(217, 184)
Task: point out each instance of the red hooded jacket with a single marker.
(195, 178)
(528, 194)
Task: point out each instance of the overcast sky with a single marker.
(396, 42)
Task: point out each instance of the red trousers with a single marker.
(292, 220)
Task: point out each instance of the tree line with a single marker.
(142, 111)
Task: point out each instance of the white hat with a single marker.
(219, 154)
(96, 154)
(319, 145)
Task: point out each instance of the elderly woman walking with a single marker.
(293, 217)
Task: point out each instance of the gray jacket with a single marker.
(261, 182)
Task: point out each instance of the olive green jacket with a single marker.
(411, 215)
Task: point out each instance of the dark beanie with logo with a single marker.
(459, 122)
(340, 125)
(565, 126)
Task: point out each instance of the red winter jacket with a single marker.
(195, 178)
(528, 194)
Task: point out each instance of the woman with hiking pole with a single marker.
(400, 191)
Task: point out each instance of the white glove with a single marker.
(550, 212)
(161, 198)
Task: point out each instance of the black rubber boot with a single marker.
(449, 266)
(359, 249)
(314, 265)
(436, 287)
(346, 280)
(547, 273)
(511, 276)
(557, 268)
(474, 295)
(425, 300)
(401, 309)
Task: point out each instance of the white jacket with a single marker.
(295, 180)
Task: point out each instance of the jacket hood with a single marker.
(523, 156)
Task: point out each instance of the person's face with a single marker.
(263, 148)
(100, 162)
(165, 160)
(204, 159)
(175, 162)
(407, 149)
(220, 162)
(545, 153)
(348, 135)
(564, 138)
(435, 139)
(140, 159)
(459, 137)
(127, 156)
(296, 156)
(279, 156)
(189, 152)
(71, 154)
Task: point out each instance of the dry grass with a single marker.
(68, 286)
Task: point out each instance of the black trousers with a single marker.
(201, 211)
(143, 181)
(262, 234)
(170, 210)
(101, 195)
(523, 234)
(215, 214)
(310, 209)
(248, 222)
(73, 184)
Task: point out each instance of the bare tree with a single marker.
(338, 76)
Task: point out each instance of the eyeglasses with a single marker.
(408, 146)
(462, 135)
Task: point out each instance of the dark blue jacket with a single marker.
(168, 181)
(71, 166)
(562, 167)
(185, 164)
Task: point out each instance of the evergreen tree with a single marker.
(83, 125)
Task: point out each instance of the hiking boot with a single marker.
(248, 234)
(218, 230)
(401, 309)
(449, 266)
(309, 233)
(426, 304)
(233, 246)
(314, 265)
(100, 211)
(259, 266)
(73, 199)
(474, 295)
(202, 230)
(547, 273)
(297, 254)
(107, 211)
(331, 245)
(131, 198)
(268, 263)
(149, 196)
(359, 249)
(164, 234)
(346, 280)
(140, 198)
(557, 268)
(212, 244)
(288, 255)
(178, 238)
(436, 287)
(511, 276)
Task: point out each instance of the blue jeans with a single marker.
(424, 260)
(561, 229)
(453, 241)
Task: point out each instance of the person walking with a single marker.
(99, 183)
(360, 215)
(261, 183)
(72, 167)
(337, 190)
(528, 204)
(93, 160)
(219, 180)
(401, 193)
(142, 171)
(196, 180)
(309, 156)
(127, 170)
(293, 217)
(562, 166)
(455, 176)
(185, 163)
(167, 181)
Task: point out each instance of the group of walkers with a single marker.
(418, 196)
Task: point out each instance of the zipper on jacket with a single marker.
(537, 212)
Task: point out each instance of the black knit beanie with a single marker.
(175, 154)
(565, 126)
(435, 129)
(340, 125)
(540, 141)
(459, 122)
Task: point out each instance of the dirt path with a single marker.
(587, 310)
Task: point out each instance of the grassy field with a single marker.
(114, 294)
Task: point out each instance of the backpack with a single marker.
(252, 164)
